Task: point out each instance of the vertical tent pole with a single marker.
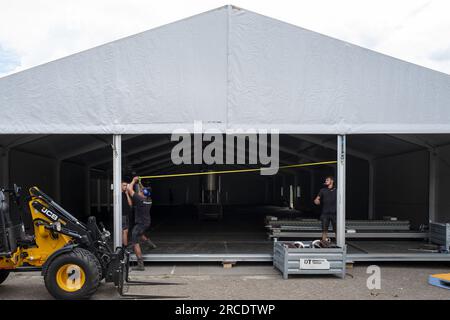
(117, 192)
(371, 189)
(432, 185)
(340, 232)
(108, 193)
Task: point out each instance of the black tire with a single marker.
(87, 262)
(3, 275)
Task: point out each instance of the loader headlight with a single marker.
(57, 226)
(106, 234)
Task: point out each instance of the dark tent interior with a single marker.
(397, 177)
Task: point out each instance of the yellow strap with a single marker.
(299, 165)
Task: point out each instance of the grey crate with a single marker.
(287, 260)
(440, 234)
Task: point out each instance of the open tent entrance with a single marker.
(407, 178)
(223, 216)
(395, 185)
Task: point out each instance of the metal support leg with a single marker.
(433, 185)
(340, 232)
(117, 192)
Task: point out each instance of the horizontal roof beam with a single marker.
(132, 151)
(333, 146)
(413, 139)
(97, 144)
(25, 140)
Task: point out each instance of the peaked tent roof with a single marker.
(230, 68)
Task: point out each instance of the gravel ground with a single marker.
(257, 281)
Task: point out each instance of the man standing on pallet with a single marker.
(142, 202)
(328, 199)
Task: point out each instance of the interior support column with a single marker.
(87, 191)
(296, 186)
(117, 192)
(340, 232)
(433, 184)
(5, 167)
(371, 189)
(312, 177)
(58, 180)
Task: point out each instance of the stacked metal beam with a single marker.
(304, 228)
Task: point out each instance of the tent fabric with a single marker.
(232, 69)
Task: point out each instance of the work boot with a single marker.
(325, 243)
(149, 244)
(139, 266)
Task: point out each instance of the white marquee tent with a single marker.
(230, 68)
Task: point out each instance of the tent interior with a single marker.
(401, 176)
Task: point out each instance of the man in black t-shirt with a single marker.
(142, 202)
(327, 198)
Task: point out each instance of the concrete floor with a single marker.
(257, 281)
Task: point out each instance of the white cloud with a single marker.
(43, 30)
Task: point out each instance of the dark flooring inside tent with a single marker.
(178, 230)
(241, 235)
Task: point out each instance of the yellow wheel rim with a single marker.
(70, 277)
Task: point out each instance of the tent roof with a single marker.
(230, 68)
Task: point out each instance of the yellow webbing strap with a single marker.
(299, 165)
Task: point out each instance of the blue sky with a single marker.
(33, 32)
(9, 60)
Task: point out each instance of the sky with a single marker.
(33, 32)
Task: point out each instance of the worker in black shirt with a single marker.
(142, 202)
(127, 204)
(327, 198)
